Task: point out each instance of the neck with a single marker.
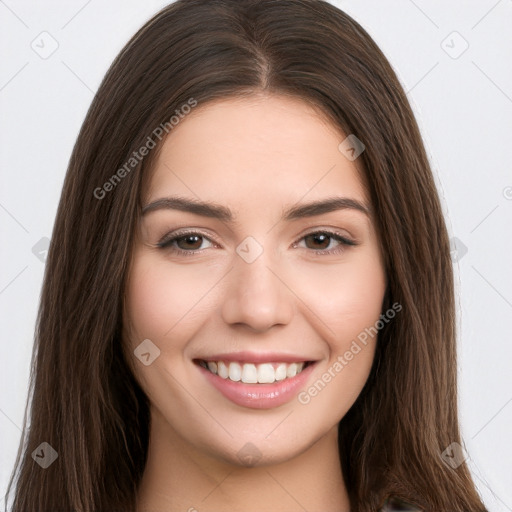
(179, 477)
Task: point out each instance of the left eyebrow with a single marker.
(325, 206)
(217, 211)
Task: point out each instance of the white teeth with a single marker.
(235, 372)
(222, 370)
(281, 372)
(249, 374)
(265, 373)
(291, 371)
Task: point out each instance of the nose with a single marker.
(256, 295)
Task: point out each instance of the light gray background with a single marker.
(464, 105)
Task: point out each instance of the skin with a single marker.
(256, 156)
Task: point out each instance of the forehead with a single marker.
(255, 149)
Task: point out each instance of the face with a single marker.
(253, 306)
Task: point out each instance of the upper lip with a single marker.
(255, 357)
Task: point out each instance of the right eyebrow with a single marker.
(205, 209)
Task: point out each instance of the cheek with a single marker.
(162, 296)
(346, 300)
(346, 297)
(166, 304)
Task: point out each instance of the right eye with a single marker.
(186, 243)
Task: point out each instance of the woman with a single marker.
(249, 296)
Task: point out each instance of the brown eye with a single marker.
(184, 243)
(189, 242)
(318, 240)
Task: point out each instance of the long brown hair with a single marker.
(85, 402)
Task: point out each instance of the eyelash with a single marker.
(166, 241)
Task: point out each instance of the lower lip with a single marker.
(259, 396)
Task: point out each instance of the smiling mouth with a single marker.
(249, 373)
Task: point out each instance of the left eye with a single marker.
(321, 242)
